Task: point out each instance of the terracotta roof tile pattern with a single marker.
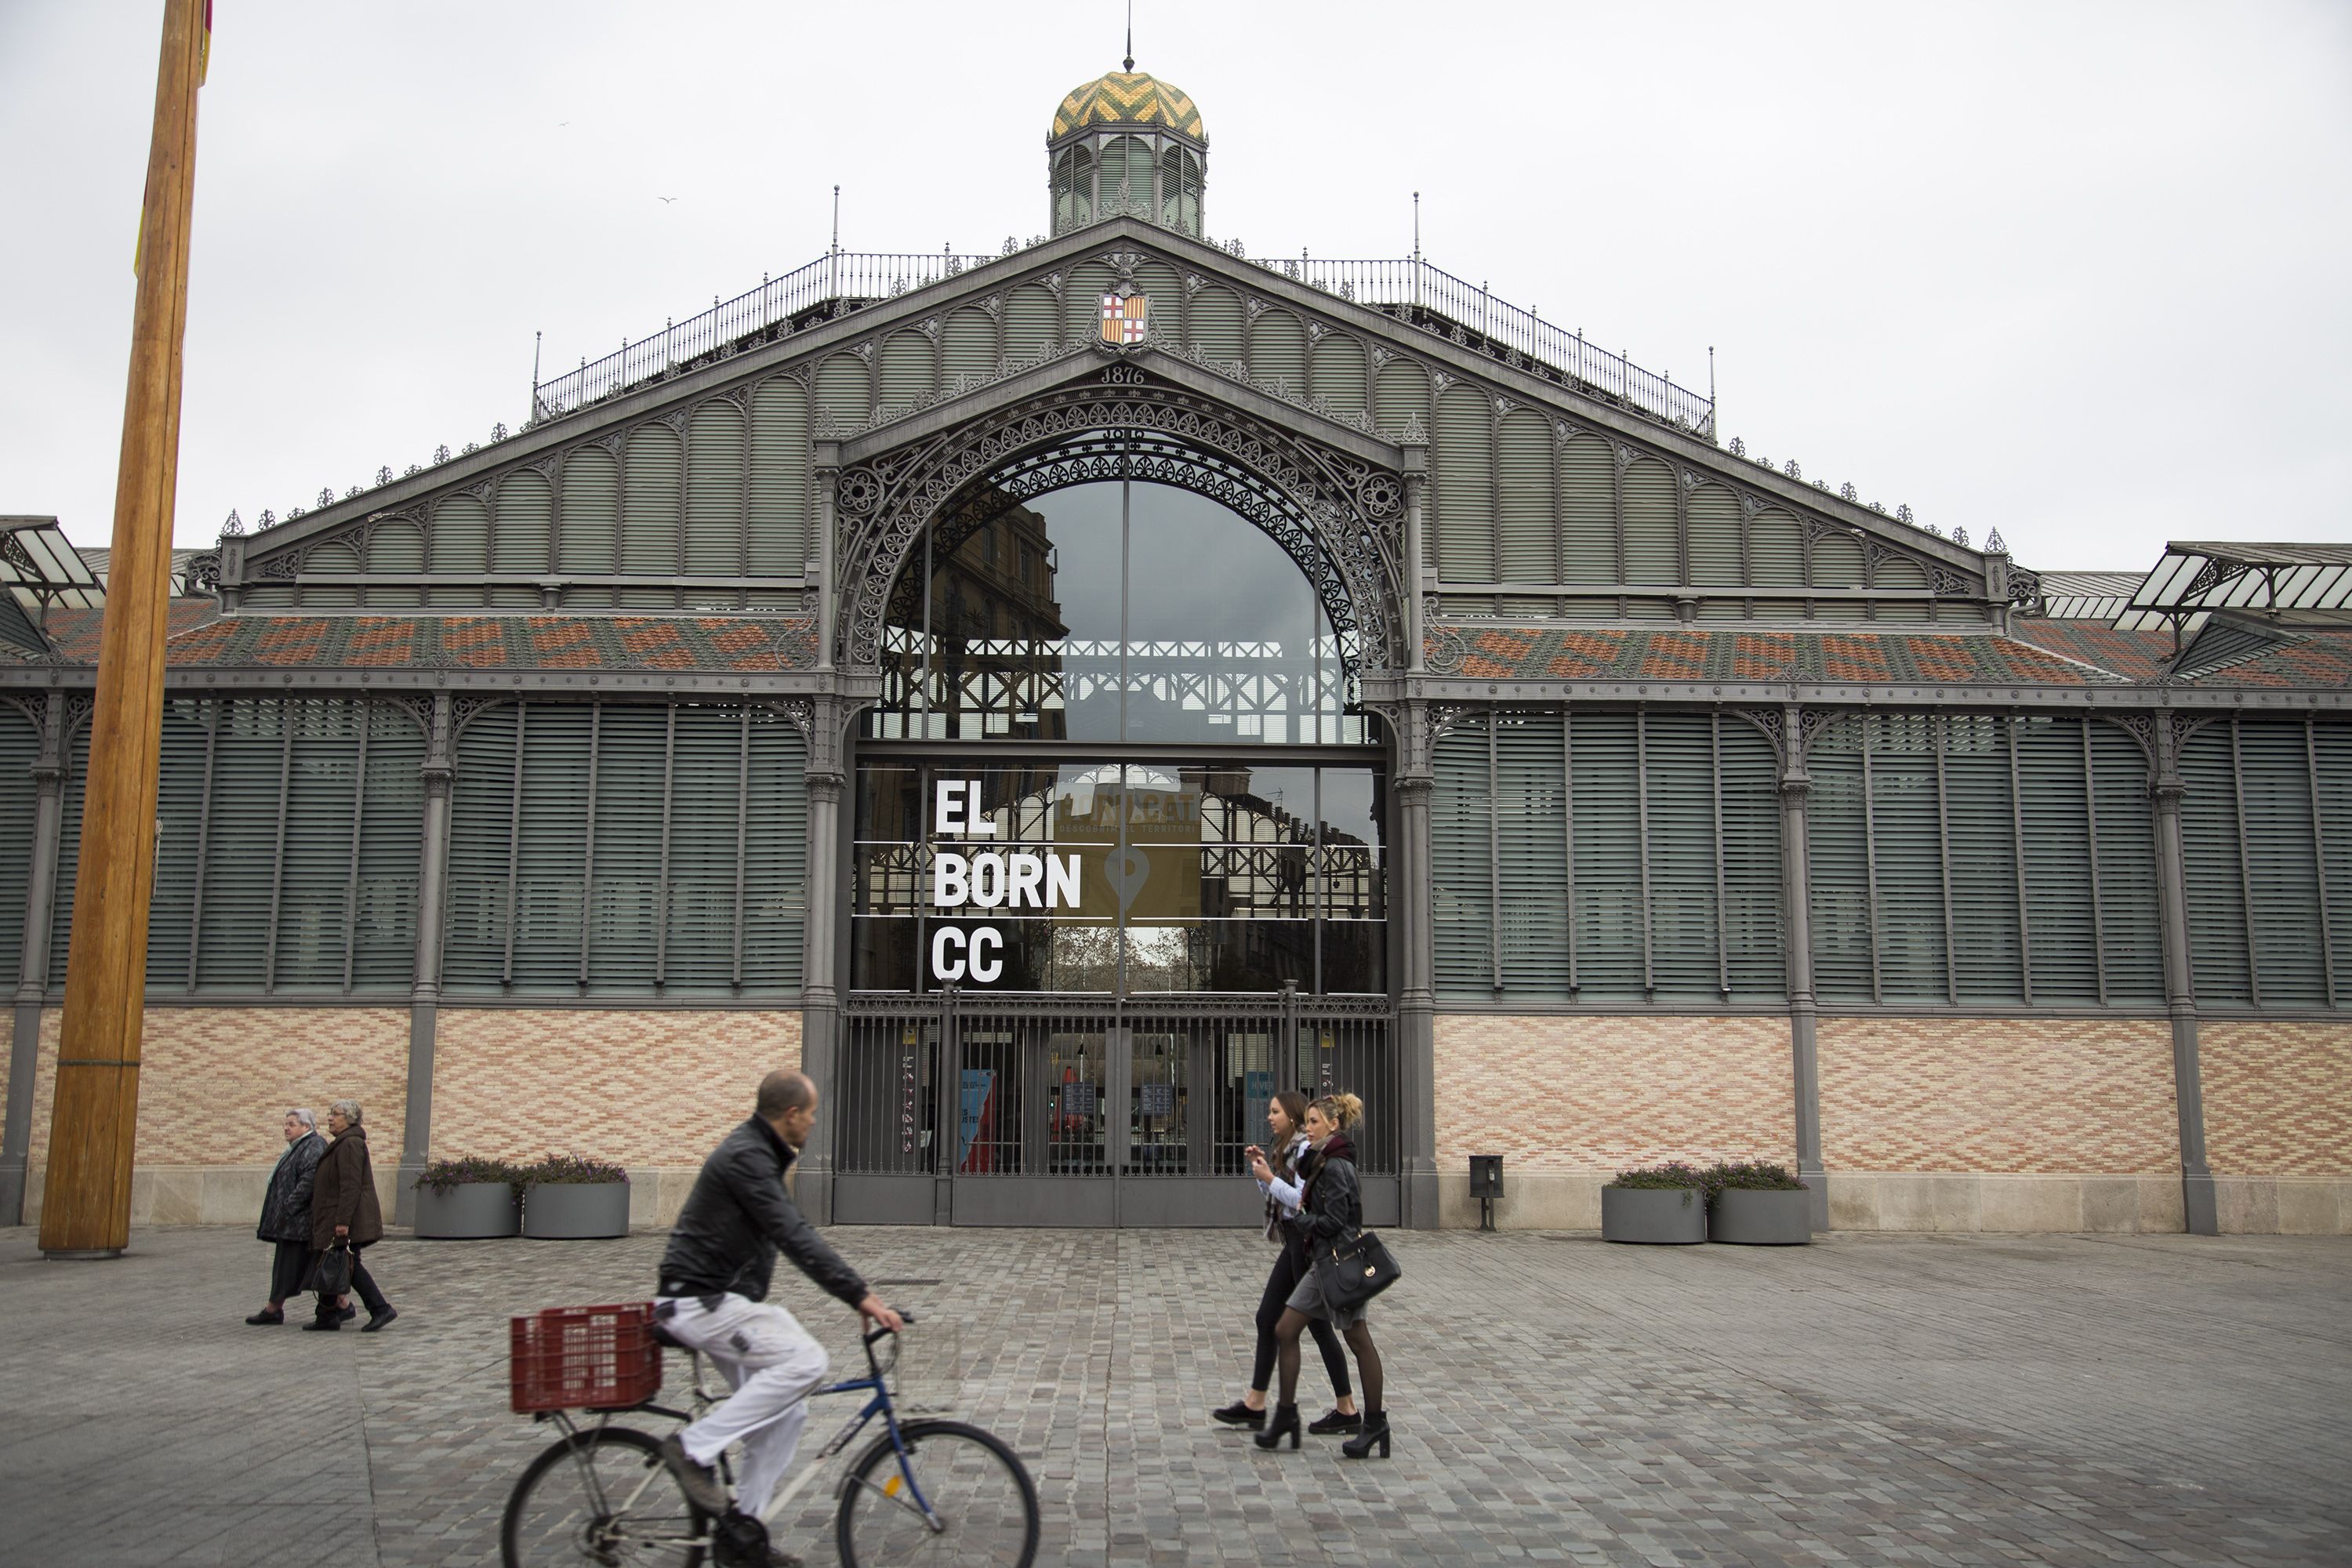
(203, 639)
(76, 632)
(1532, 653)
(2320, 662)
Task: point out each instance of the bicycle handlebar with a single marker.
(876, 1336)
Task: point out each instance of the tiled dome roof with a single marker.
(1128, 98)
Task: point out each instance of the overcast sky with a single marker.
(2077, 270)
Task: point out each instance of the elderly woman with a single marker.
(286, 1213)
(345, 1208)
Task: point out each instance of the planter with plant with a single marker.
(466, 1200)
(572, 1197)
(1658, 1205)
(1753, 1204)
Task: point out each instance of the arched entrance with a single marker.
(1119, 854)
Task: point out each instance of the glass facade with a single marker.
(1126, 878)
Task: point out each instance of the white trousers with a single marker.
(772, 1364)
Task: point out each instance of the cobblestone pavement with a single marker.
(1870, 1399)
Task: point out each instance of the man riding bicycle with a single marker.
(712, 1299)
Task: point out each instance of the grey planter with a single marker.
(1668, 1216)
(472, 1211)
(575, 1210)
(1751, 1218)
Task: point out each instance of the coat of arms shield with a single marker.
(1126, 319)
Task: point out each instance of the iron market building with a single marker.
(1062, 697)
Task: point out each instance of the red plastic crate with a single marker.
(590, 1358)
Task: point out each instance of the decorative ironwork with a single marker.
(1308, 500)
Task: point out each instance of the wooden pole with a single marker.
(85, 1200)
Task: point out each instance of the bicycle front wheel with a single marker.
(605, 1498)
(958, 1495)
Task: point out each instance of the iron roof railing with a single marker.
(1410, 289)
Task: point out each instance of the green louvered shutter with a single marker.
(1715, 538)
(632, 756)
(1776, 551)
(2208, 842)
(907, 372)
(1401, 395)
(843, 390)
(1652, 551)
(1278, 350)
(179, 810)
(1608, 805)
(969, 347)
(1462, 919)
(1215, 313)
(1031, 323)
(1530, 542)
(1914, 963)
(2054, 796)
(1082, 301)
(1837, 561)
(775, 857)
(2331, 759)
(552, 847)
(1339, 375)
(1754, 938)
(458, 545)
(20, 745)
(1678, 769)
(1463, 465)
(526, 521)
(482, 820)
(698, 905)
(1588, 511)
(2128, 912)
(779, 464)
(1530, 815)
(1988, 935)
(714, 496)
(328, 557)
(250, 765)
(391, 843)
(395, 544)
(69, 804)
(1838, 857)
(322, 805)
(2281, 864)
(592, 519)
(653, 498)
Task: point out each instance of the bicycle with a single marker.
(924, 1491)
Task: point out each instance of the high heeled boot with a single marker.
(1286, 1420)
(1375, 1432)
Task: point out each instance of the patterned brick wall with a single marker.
(1998, 1096)
(642, 1089)
(2278, 1097)
(1575, 1093)
(215, 1081)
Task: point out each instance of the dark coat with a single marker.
(286, 1206)
(738, 1217)
(1334, 1209)
(344, 1194)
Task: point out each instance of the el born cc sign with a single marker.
(988, 880)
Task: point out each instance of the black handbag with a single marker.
(1355, 1271)
(333, 1275)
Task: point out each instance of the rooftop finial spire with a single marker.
(1130, 35)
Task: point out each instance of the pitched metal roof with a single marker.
(2087, 596)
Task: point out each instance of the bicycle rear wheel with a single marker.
(983, 1505)
(605, 1498)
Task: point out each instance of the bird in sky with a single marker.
(666, 198)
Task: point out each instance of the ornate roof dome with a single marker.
(1128, 98)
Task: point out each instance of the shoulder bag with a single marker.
(1355, 1271)
(333, 1274)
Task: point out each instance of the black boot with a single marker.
(1375, 1431)
(1335, 1420)
(1286, 1421)
(1239, 1413)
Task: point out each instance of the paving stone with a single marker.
(1916, 1399)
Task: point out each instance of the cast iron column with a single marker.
(1417, 999)
(33, 973)
(819, 957)
(424, 993)
(1795, 890)
(2164, 794)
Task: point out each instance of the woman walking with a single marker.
(1278, 1177)
(1332, 1209)
(286, 1213)
(344, 1207)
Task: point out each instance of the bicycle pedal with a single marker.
(739, 1541)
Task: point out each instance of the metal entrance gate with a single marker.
(1056, 1110)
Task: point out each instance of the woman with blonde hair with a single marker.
(1279, 1169)
(1332, 1209)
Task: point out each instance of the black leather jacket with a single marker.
(286, 1206)
(738, 1217)
(1334, 1207)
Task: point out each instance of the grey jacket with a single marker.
(286, 1206)
(738, 1217)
